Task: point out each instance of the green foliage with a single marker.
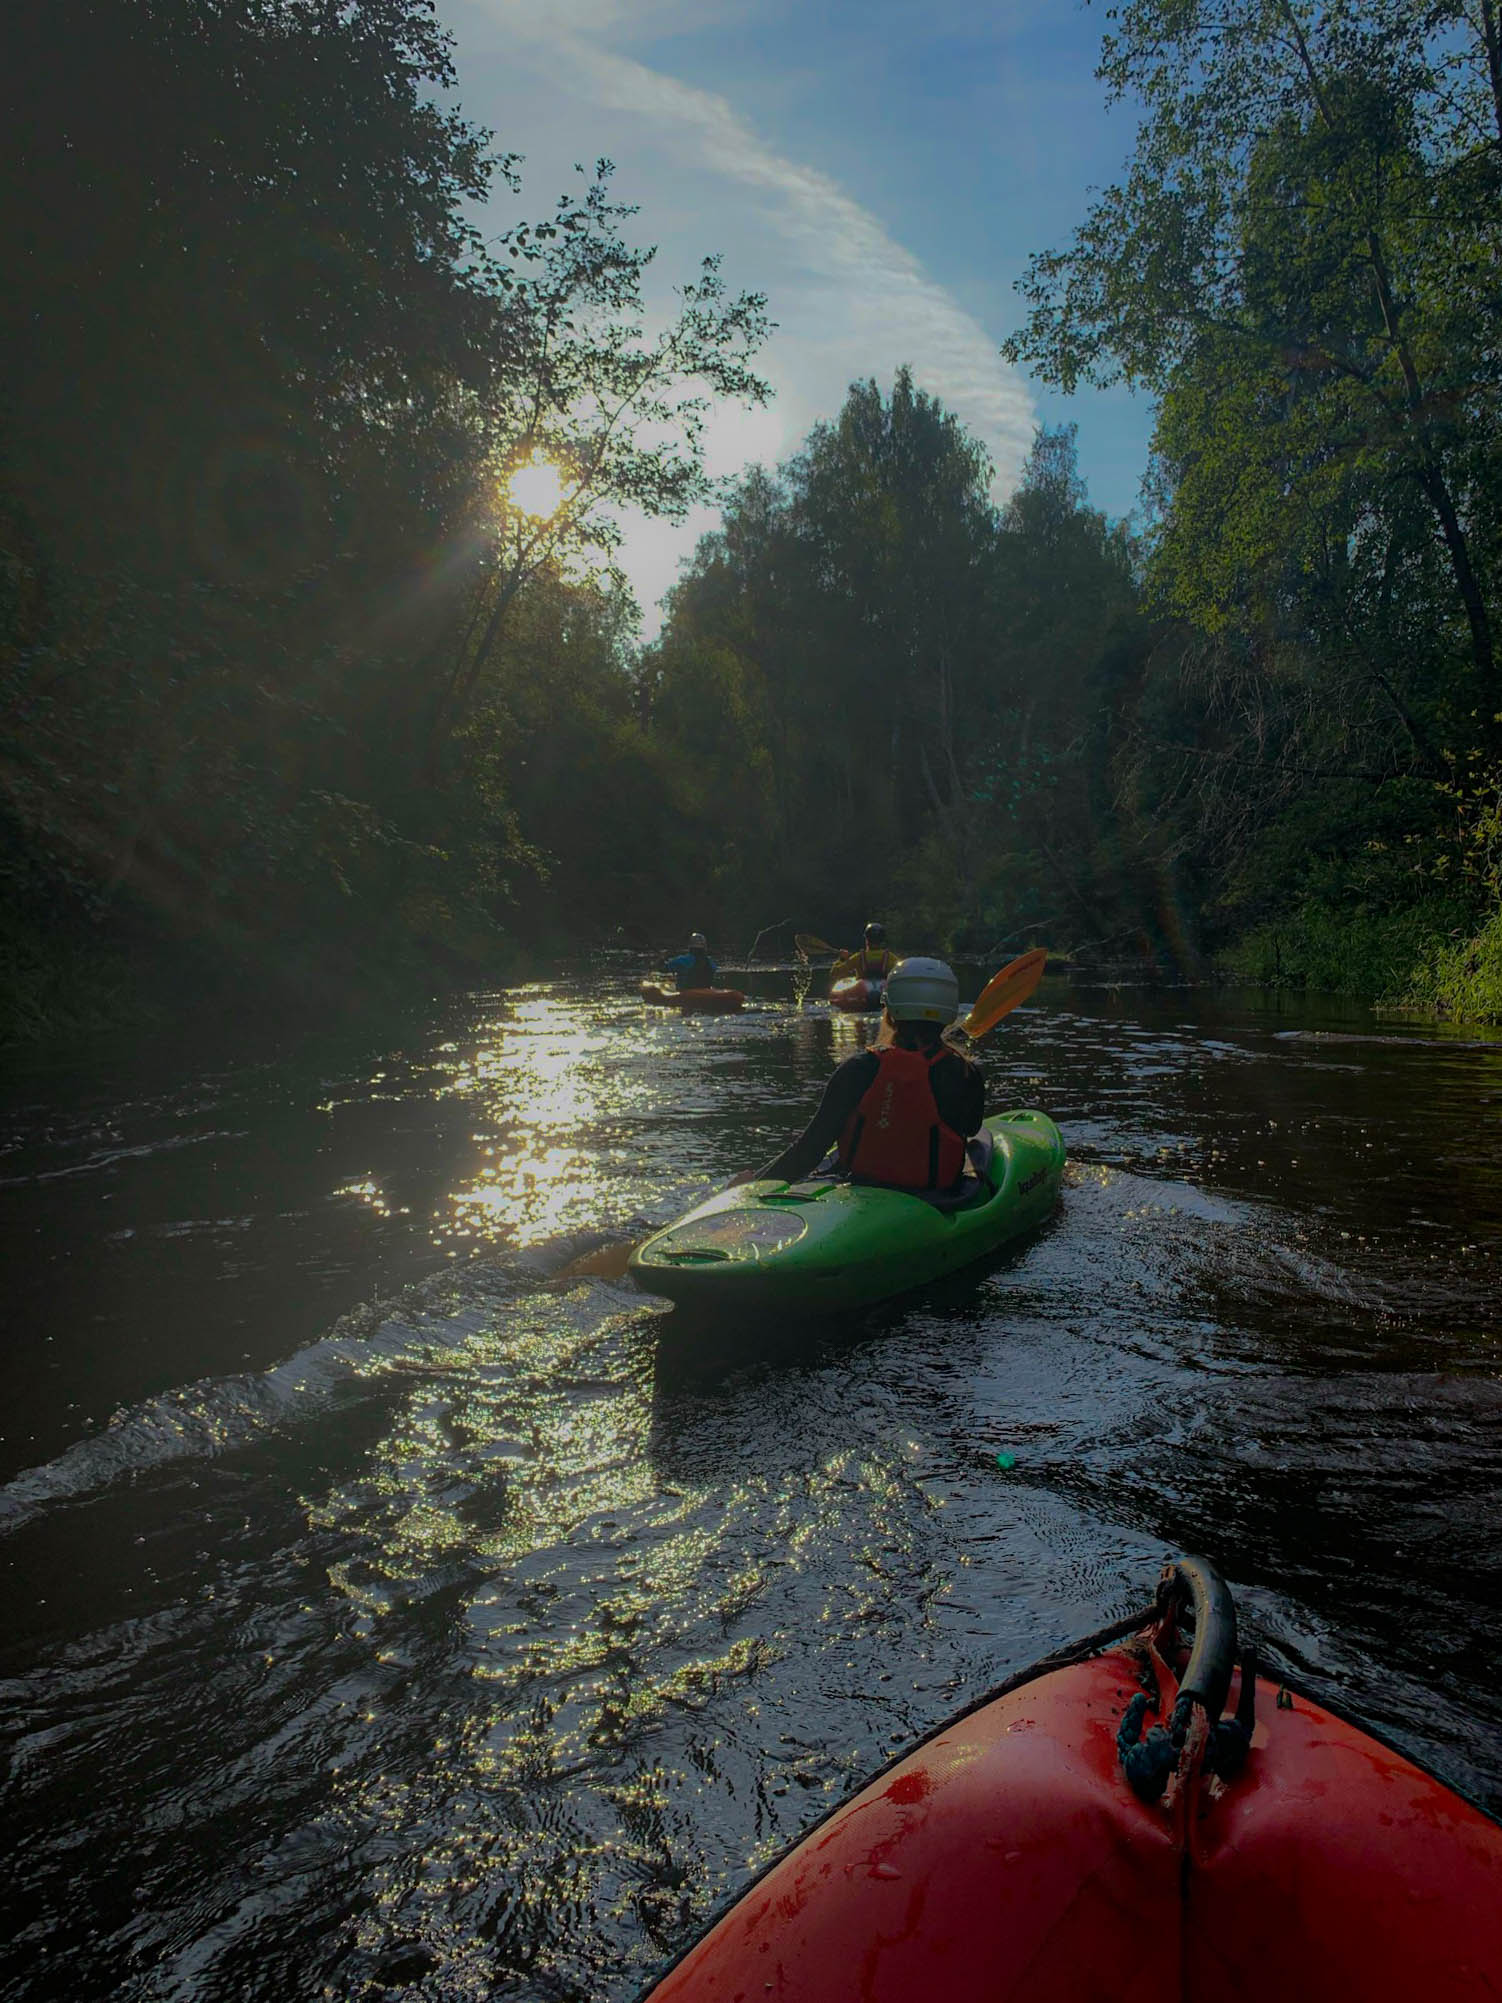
(59, 988)
(1355, 951)
(1461, 977)
(284, 675)
(291, 680)
(1295, 264)
(893, 695)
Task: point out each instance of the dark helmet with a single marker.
(697, 943)
(876, 935)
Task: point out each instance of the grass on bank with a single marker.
(1427, 956)
(1463, 978)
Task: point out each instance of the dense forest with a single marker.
(1300, 266)
(295, 691)
(306, 691)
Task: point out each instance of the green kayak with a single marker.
(827, 1243)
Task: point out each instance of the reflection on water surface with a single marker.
(418, 1627)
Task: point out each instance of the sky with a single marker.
(881, 169)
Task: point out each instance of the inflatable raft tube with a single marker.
(1254, 1845)
(830, 1243)
(694, 1001)
(857, 997)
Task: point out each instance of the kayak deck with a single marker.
(830, 1243)
(857, 996)
(1015, 1857)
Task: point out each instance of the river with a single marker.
(386, 1618)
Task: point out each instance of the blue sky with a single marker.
(880, 170)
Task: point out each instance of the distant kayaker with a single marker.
(873, 960)
(694, 969)
(901, 1112)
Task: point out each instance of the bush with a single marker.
(1354, 951)
(1462, 978)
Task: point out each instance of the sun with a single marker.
(536, 488)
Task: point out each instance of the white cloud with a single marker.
(850, 301)
(870, 299)
(625, 20)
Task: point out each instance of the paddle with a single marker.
(810, 942)
(1001, 994)
(1004, 992)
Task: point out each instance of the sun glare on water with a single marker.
(536, 488)
(555, 1113)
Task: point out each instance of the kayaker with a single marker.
(873, 960)
(694, 969)
(901, 1112)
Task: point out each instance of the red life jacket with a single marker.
(896, 1134)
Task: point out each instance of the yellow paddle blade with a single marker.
(810, 942)
(1004, 991)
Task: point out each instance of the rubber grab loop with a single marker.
(1207, 1675)
(1150, 1760)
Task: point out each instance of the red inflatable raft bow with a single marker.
(857, 997)
(694, 1001)
(1252, 1847)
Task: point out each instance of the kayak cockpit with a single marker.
(976, 1186)
(830, 1242)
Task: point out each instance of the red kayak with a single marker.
(857, 997)
(694, 1001)
(1251, 1847)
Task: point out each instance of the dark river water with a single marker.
(386, 1618)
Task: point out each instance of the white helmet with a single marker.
(698, 942)
(922, 991)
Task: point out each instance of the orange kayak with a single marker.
(1252, 1844)
(694, 1001)
(856, 996)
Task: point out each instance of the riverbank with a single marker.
(1432, 959)
(75, 988)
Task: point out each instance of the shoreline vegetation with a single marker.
(81, 1001)
(320, 682)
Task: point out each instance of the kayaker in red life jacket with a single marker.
(901, 1112)
(872, 961)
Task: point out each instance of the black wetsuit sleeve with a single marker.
(960, 1094)
(846, 1088)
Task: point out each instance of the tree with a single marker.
(265, 371)
(1298, 263)
(618, 413)
(903, 695)
(1304, 226)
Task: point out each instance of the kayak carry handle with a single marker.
(1150, 1762)
(1207, 1675)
